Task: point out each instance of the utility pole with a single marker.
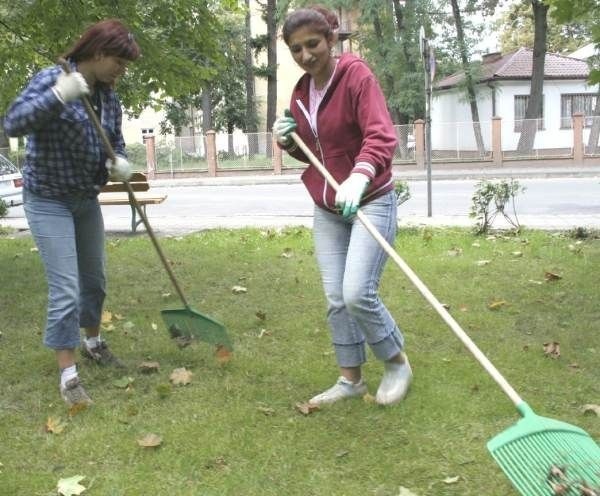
(428, 58)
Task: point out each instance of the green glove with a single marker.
(282, 128)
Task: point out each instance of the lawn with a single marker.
(235, 430)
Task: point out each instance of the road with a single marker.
(552, 203)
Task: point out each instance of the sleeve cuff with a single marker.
(365, 168)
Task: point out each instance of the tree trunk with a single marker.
(4, 143)
(207, 123)
(251, 119)
(536, 93)
(272, 68)
(464, 57)
(595, 130)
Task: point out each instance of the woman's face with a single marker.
(108, 68)
(311, 50)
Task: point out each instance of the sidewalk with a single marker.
(406, 173)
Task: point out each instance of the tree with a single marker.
(515, 29)
(469, 80)
(534, 104)
(179, 43)
(251, 117)
(587, 12)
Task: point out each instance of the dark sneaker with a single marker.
(74, 394)
(101, 354)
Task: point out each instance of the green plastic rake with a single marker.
(541, 456)
(182, 322)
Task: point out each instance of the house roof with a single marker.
(518, 66)
(585, 52)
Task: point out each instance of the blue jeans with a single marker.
(351, 263)
(69, 234)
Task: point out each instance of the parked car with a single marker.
(11, 182)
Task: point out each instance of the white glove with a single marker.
(282, 128)
(350, 193)
(120, 170)
(70, 86)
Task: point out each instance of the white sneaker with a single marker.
(394, 383)
(342, 389)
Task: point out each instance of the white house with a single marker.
(503, 90)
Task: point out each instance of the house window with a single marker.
(576, 102)
(521, 102)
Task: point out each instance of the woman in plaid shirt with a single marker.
(65, 168)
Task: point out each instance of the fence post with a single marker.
(420, 142)
(149, 141)
(497, 141)
(277, 156)
(578, 138)
(211, 153)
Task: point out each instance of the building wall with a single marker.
(451, 106)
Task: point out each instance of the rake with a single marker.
(540, 456)
(182, 322)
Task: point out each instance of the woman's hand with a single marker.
(350, 193)
(119, 170)
(282, 128)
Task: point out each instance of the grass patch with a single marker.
(234, 429)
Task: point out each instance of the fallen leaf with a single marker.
(266, 410)
(261, 315)
(128, 325)
(264, 332)
(118, 316)
(77, 408)
(475, 244)
(552, 349)
(154, 326)
(148, 367)
(446, 306)
(463, 308)
(454, 252)
(551, 276)
(451, 480)
(150, 441)
(517, 253)
(70, 486)
(55, 425)
(181, 377)
(287, 253)
(124, 382)
(535, 282)
(369, 398)
(591, 409)
(239, 290)
(495, 305)
(165, 295)
(405, 492)
(481, 263)
(223, 355)
(106, 317)
(342, 453)
(307, 408)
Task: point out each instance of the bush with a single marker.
(402, 192)
(490, 199)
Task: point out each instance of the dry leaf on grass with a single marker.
(451, 480)
(551, 276)
(260, 315)
(405, 492)
(307, 408)
(591, 409)
(150, 441)
(55, 425)
(223, 355)
(481, 263)
(552, 349)
(239, 289)
(369, 398)
(496, 304)
(70, 486)
(266, 410)
(77, 408)
(181, 377)
(148, 367)
(106, 317)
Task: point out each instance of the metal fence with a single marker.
(530, 139)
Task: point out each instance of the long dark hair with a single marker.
(109, 37)
(319, 18)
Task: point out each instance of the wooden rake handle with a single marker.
(428, 295)
(111, 154)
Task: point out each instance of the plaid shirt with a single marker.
(64, 152)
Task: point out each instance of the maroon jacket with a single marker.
(353, 125)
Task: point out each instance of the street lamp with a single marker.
(428, 58)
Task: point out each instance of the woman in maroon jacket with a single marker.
(339, 111)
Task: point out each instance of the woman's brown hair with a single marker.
(109, 37)
(319, 18)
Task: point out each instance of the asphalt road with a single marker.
(547, 203)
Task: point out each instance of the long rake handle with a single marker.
(111, 154)
(428, 295)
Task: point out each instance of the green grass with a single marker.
(218, 438)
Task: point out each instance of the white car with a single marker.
(11, 183)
